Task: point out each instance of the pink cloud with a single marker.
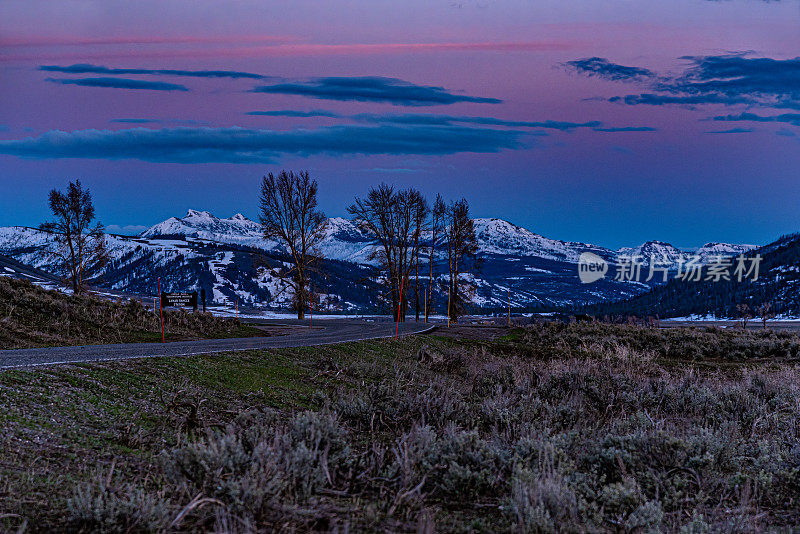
(299, 49)
(38, 41)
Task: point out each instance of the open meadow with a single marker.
(550, 428)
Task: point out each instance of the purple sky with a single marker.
(415, 93)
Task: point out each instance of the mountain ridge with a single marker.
(495, 236)
(227, 258)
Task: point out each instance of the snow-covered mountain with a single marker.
(496, 236)
(230, 258)
(343, 240)
(710, 251)
(204, 225)
(664, 253)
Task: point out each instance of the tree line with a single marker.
(405, 228)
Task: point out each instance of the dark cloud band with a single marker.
(430, 119)
(732, 131)
(372, 89)
(651, 99)
(788, 118)
(626, 129)
(240, 145)
(119, 83)
(603, 68)
(727, 79)
(295, 113)
(447, 120)
(84, 68)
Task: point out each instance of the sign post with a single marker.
(509, 306)
(397, 329)
(426, 307)
(449, 291)
(179, 300)
(161, 307)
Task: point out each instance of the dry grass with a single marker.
(580, 428)
(33, 317)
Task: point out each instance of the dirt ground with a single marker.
(476, 332)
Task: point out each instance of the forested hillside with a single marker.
(776, 286)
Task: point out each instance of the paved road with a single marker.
(13, 268)
(325, 332)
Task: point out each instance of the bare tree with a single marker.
(746, 315)
(462, 249)
(766, 313)
(419, 211)
(437, 220)
(395, 220)
(288, 212)
(80, 247)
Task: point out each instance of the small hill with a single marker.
(34, 317)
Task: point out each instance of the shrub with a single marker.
(252, 469)
(312, 452)
(99, 508)
(453, 463)
(543, 502)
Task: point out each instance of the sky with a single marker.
(612, 123)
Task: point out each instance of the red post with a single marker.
(160, 307)
(311, 310)
(509, 306)
(397, 329)
(449, 288)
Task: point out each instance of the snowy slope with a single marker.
(666, 253)
(710, 251)
(343, 240)
(346, 242)
(29, 246)
(496, 236)
(658, 250)
(237, 230)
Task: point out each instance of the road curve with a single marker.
(325, 332)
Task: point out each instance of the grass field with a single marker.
(551, 428)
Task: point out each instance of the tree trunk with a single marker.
(300, 294)
(416, 287)
(429, 301)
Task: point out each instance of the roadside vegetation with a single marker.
(34, 317)
(550, 428)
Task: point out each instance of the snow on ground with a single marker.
(711, 318)
(217, 266)
(535, 270)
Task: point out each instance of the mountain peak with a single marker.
(198, 214)
(239, 217)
